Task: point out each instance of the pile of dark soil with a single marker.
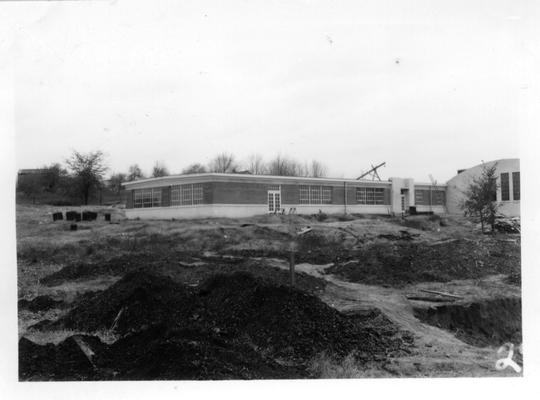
(258, 268)
(399, 263)
(181, 268)
(191, 353)
(116, 266)
(316, 248)
(139, 299)
(486, 323)
(233, 326)
(156, 352)
(65, 361)
(39, 303)
(286, 322)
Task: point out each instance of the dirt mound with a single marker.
(287, 322)
(153, 353)
(322, 248)
(116, 266)
(397, 263)
(191, 353)
(233, 326)
(66, 361)
(39, 303)
(487, 323)
(182, 267)
(137, 300)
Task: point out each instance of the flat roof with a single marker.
(270, 179)
(209, 176)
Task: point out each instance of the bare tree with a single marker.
(302, 169)
(480, 197)
(159, 170)
(88, 170)
(30, 185)
(194, 169)
(224, 163)
(317, 169)
(285, 166)
(115, 182)
(134, 173)
(256, 165)
(280, 166)
(54, 175)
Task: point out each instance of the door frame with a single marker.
(272, 194)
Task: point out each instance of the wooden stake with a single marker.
(291, 267)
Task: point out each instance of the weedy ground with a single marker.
(352, 263)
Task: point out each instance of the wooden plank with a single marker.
(441, 293)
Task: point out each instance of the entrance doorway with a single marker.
(404, 200)
(274, 201)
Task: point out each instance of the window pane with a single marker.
(370, 196)
(419, 197)
(147, 198)
(187, 195)
(505, 186)
(137, 199)
(270, 202)
(379, 196)
(327, 195)
(175, 196)
(315, 194)
(438, 198)
(197, 193)
(516, 190)
(304, 195)
(156, 197)
(361, 195)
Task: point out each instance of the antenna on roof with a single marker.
(433, 183)
(372, 172)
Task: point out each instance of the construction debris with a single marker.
(429, 299)
(441, 293)
(507, 225)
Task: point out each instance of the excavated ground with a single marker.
(230, 327)
(141, 299)
(484, 323)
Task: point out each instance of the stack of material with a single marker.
(508, 225)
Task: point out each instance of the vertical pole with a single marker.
(292, 248)
(291, 266)
(344, 197)
(430, 199)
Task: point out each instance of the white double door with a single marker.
(274, 201)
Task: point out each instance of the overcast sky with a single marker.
(429, 87)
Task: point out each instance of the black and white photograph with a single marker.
(269, 190)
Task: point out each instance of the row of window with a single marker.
(186, 195)
(181, 195)
(147, 198)
(192, 194)
(370, 196)
(505, 186)
(315, 194)
(429, 197)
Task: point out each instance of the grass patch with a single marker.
(57, 336)
(324, 366)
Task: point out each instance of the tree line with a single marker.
(82, 177)
(227, 163)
